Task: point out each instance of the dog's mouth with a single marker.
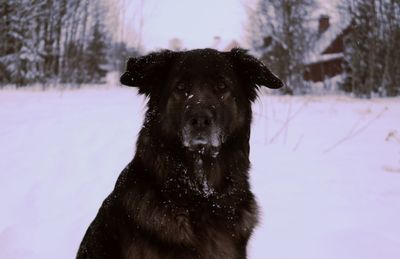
(201, 143)
(203, 146)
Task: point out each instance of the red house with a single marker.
(326, 58)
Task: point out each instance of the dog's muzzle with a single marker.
(200, 132)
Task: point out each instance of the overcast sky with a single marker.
(195, 22)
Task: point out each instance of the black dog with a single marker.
(186, 192)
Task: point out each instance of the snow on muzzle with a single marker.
(200, 133)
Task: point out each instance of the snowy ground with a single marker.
(326, 171)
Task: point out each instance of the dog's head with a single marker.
(200, 98)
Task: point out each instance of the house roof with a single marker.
(316, 53)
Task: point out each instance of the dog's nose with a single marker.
(200, 120)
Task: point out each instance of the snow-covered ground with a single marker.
(326, 171)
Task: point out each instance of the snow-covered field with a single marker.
(326, 171)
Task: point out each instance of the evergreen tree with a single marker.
(372, 50)
(391, 48)
(96, 55)
(11, 41)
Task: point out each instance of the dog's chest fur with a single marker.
(210, 238)
(166, 224)
(214, 244)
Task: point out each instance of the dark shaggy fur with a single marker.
(186, 193)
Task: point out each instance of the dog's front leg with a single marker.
(163, 219)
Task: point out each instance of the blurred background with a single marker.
(313, 45)
(325, 150)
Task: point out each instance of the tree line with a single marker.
(280, 32)
(372, 55)
(61, 41)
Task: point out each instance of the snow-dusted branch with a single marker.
(354, 132)
(290, 117)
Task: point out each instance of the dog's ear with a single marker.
(253, 71)
(147, 71)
